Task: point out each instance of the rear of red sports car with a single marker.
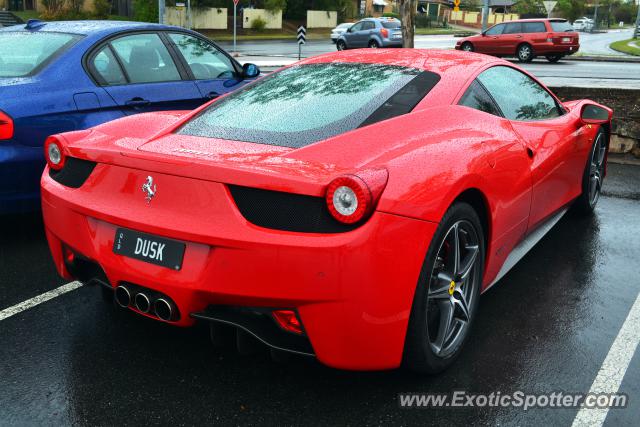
(351, 207)
(236, 213)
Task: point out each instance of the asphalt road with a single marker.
(547, 326)
(592, 44)
(270, 55)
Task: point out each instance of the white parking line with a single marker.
(614, 367)
(25, 305)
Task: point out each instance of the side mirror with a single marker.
(250, 71)
(594, 114)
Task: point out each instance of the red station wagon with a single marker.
(525, 39)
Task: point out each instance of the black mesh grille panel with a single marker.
(74, 173)
(286, 211)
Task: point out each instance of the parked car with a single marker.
(525, 39)
(373, 33)
(350, 207)
(583, 24)
(337, 31)
(63, 76)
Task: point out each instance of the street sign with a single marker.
(549, 5)
(235, 2)
(456, 5)
(302, 35)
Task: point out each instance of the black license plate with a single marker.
(149, 248)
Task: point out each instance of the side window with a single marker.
(205, 61)
(107, 68)
(513, 28)
(476, 97)
(356, 27)
(496, 30)
(145, 58)
(533, 27)
(518, 96)
(368, 25)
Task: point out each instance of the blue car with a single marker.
(64, 76)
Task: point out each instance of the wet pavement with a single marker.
(547, 326)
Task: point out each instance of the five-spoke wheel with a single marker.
(447, 294)
(594, 173)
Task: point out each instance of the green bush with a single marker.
(275, 5)
(391, 15)
(258, 24)
(102, 9)
(145, 10)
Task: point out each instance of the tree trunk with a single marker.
(407, 15)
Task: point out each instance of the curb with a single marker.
(630, 59)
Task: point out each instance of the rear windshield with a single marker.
(561, 26)
(307, 103)
(391, 24)
(22, 52)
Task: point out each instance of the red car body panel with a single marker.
(353, 291)
(543, 43)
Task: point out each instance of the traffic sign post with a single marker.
(549, 5)
(235, 14)
(302, 37)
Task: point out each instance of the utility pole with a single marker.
(595, 18)
(485, 15)
(189, 14)
(407, 16)
(161, 4)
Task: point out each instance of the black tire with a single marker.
(553, 58)
(373, 44)
(467, 47)
(593, 174)
(420, 352)
(341, 45)
(524, 52)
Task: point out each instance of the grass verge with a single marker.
(631, 46)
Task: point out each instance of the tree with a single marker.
(407, 17)
(528, 6)
(571, 9)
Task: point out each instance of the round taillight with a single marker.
(53, 153)
(348, 199)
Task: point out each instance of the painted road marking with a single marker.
(614, 367)
(25, 305)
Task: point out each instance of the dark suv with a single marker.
(525, 39)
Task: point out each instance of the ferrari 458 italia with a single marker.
(352, 207)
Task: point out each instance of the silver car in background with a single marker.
(337, 31)
(373, 33)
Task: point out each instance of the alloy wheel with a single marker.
(596, 168)
(467, 47)
(452, 288)
(524, 53)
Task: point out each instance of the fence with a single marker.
(474, 19)
(273, 19)
(322, 19)
(209, 18)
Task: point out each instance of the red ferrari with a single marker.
(352, 207)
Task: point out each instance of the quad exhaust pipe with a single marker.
(162, 308)
(142, 303)
(123, 296)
